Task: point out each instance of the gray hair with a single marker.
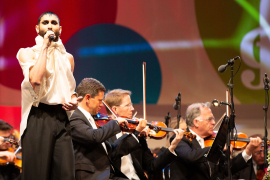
(194, 111)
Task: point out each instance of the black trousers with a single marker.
(47, 151)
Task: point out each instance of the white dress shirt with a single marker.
(127, 167)
(57, 86)
(255, 166)
(198, 138)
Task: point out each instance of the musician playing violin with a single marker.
(93, 153)
(255, 166)
(191, 162)
(134, 164)
(7, 171)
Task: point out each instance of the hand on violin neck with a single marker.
(122, 122)
(145, 132)
(252, 145)
(141, 125)
(179, 133)
(225, 148)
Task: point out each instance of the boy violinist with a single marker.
(7, 170)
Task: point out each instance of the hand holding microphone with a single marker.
(51, 37)
(48, 38)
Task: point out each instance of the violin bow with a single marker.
(114, 113)
(227, 100)
(144, 93)
(110, 109)
(17, 150)
(227, 109)
(144, 90)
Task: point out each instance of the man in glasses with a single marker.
(134, 164)
(191, 162)
(255, 164)
(7, 171)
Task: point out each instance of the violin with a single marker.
(18, 158)
(240, 144)
(132, 123)
(102, 119)
(162, 133)
(158, 129)
(14, 148)
(260, 174)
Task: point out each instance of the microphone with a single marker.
(223, 68)
(167, 119)
(51, 37)
(266, 79)
(266, 82)
(177, 100)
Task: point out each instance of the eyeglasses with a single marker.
(258, 152)
(127, 106)
(208, 119)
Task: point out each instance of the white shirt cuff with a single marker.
(172, 152)
(135, 137)
(245, 156)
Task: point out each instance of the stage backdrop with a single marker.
(183, 42)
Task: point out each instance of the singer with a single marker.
(47, 103)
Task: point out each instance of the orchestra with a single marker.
(65, 136)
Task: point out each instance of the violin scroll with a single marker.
(11, 140)
(189, 135)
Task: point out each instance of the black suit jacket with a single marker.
(9, 172)
(192, 164)
(143, 159)
(247, 173)
(91, 159)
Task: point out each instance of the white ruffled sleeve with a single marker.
(28, 91)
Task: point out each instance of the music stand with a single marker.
(215, 153)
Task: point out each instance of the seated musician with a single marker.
(255, 164)
(92, 150)
(191, 162)
(8, 171)
(134, 164)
